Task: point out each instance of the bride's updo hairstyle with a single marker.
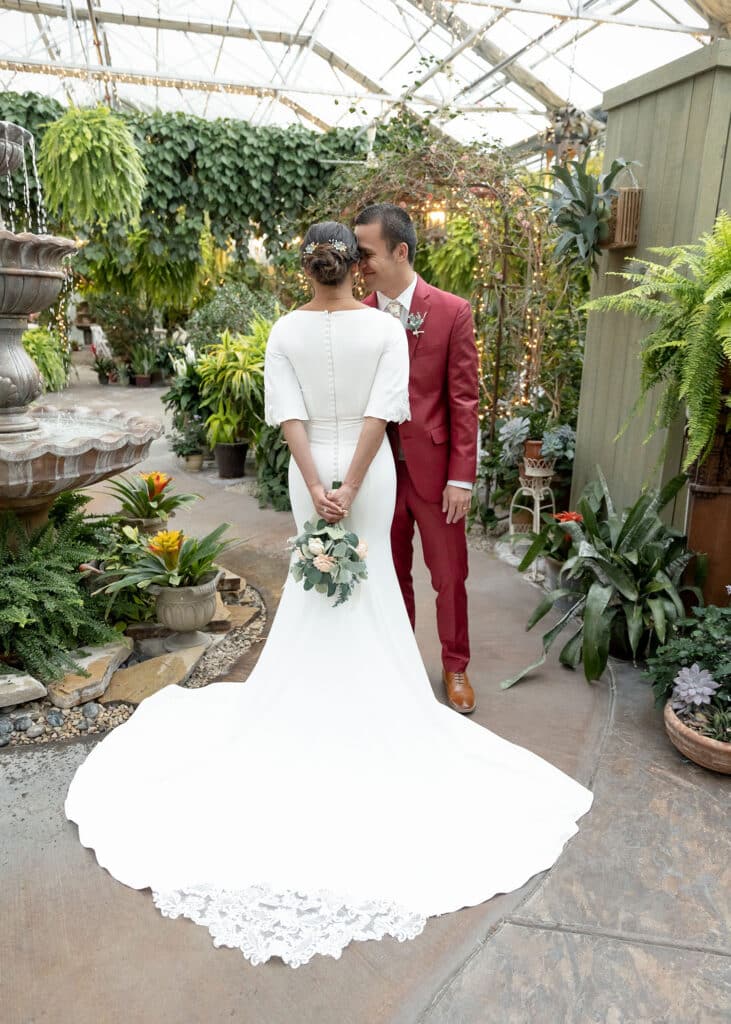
(328, 252)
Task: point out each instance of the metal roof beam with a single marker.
(442, 15)
(583, 15)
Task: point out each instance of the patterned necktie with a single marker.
(394, 308)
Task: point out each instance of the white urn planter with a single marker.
(186, 610)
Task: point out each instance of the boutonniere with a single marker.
(414, 322)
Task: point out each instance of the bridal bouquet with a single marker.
(329, 559)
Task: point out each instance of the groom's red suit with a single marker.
(438, 443)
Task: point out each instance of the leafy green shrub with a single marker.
(689, 304)
(453, 264)
(272, 469)
(125, 323)
(232, 309)
(623, 581)
(46, 349)
(45, 609)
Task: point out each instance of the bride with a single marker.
(316, 803)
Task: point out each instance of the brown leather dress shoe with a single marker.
(460, 694)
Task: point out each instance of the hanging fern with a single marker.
(91, 168)
(689, 298)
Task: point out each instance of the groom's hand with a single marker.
(456, 502)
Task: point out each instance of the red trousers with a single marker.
(445, 554)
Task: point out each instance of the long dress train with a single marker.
(316, 803)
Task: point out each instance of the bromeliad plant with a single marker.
(622, 577)
(169, 559)
(147, 496)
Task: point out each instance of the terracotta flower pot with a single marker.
(703, 750)
(533, 449)
(143, 380)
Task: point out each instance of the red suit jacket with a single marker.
(439, 442)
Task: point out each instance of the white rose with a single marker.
(316, 546)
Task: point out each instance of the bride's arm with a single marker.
(369, 441)
(296, 437)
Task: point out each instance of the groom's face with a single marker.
(382, 269)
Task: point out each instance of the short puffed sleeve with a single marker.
(283, 399)
(389, 397)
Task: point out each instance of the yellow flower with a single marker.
(167, 544)
(156, 482)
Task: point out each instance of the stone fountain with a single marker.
(44, 450)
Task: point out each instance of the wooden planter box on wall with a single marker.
(624, 221)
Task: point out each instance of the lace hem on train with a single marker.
(295, 926)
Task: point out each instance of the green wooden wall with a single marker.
(676, 122)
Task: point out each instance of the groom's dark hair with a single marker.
(396, 225)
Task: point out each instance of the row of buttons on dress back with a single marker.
(333, 400)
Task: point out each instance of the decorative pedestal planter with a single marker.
(704, 751)
(186, 610)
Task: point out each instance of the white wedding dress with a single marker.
(323, 800)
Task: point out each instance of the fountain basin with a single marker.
(12, 140)
(69, 449)
(31, 274)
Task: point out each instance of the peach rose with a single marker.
(324, 563)
(362, 549)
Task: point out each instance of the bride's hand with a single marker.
(344, 497)
(325, 507)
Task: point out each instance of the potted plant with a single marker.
(232, 386)
(623, 581)
(188, 444)
(146, 503)
(184, 397)
(181, 572)
(108, 179)
(104, 367)
(143, 359)
(691, 678)
(581, 205)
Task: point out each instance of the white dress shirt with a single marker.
(404, 300)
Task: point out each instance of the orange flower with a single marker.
(568, 517)
(167, 544)
(156, 482)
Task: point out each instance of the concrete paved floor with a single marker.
(630, 926)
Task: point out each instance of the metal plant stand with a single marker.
(535, 496)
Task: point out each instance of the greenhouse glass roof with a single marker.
(482, 69)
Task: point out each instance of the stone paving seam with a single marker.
(509, 919)
(607, 933)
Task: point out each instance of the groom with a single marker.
(436, 450)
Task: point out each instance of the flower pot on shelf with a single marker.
(142, 380)
(231, 459)
(534, 464)
(186, 610)
(703, 750)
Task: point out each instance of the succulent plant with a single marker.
(693, 686)
(512, 435)
(559, 442)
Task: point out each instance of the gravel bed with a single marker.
(40, 721)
